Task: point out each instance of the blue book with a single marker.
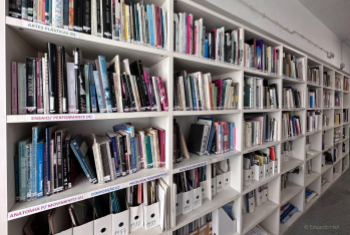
(193, 94)
(66, 13)
(232, 126)
(150, 25)
(16, 165)
(211, 133)
(293, 125)
(37, 132)
(111, 136)
(149, 152)
(287, 217)
(77, 144)
(40, 168)
(286, 212)
(23, 167)
(136, 15)
(253, 133)
(29, 173)
(311, 102)
(93, 99)
(98, 91)
(206, 48)
(105, 83)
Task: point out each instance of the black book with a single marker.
(136, 69)
(152, 91)
(99, 18)
(121, 154)
(78, 15)
(60, 136)
(77, 74)
(52, 74)
(196, 133)
(30, 4)
(176, 80)
(112, 92)
(31, 85)
(65, 166)
(15, 8)
(105, 163)
(82, 97)
(228, 56)
(87, 17)
(126, 94)
(129, 90)
(64, 81)
(68, 183)
(106, 13)
(178, 142)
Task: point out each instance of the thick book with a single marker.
(52, 76)
(49, 133)
(31, 85)
(87, 17)
(23, 169)
(78, 15)
(196, 135)
(105, 83)
(60, 136)
(57, 13)
(22, 90)
(71, 88)
(136, 69)
(39, 87)
(67, 176)
(107, 17)
(40, 168)
(93, 97)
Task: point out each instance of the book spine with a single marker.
(58, 142)
(65, 165)
(30, 85)
(22, 172)
(30, 4)
(16, 166)
(47, 12)
(87, 88)
(112, 92)
(133, 155)
(48, 163)
(69, 166)
(107, 29)
(40, 175)
(150, 25)
(148, 152)
(34, 161)
(87, 17)
(44, 169)
(71, 88)
(98, 92)
(57, 13)
(105, 85)
(66, 14)
(163, 98)
(92, 89)
(39, 87)
(115, 154)
(14, 94)
(71, 14)
(78, 12)
(28, 155)
(117, 13)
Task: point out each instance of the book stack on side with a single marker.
(313, 122)
(259, 128)
(293, 67)
(292, 98)
(259, 94)
(327, 99)
(197, 91)
(191, 37)
(313, 75)
(135, 23)
(309, 195)
(287, 211)
(314, 97)
(57, 84)
(291, 125)
(327, 80)
(261, 56)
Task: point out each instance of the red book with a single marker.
(188, 35)
(195, 40)
(39, 85)
(161, 136)
(43, 12)
(162, 94)
(216, 124)
(14, 87)
(158, 38)
(296, 126)
(272, 154)
(224, 130)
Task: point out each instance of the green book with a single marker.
(188, 80)
(87, 88)
(148, 152)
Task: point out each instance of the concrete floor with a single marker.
(332, 211)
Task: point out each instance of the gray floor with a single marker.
(332, 211)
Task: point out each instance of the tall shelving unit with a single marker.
(20, 39)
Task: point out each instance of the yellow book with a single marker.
(126, 13)
(260, 158)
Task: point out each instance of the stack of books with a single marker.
(309, 195)
(313, 120)
(259, 128)
(287, 211)
(48, 166)
(314, 97)
(286, 151)
(137, 22)
(292, 98)
(327, 80)
(292, 67)
(313, 75)
(338, 83)
(327, 99)
(197, 91)
(193, 38)
(51, 84)
(259, 94)
(291, 125)
(260, 56)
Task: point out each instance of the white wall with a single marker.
(293, 15)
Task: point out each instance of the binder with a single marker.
(136, 217)
(151, 216)
(103, 225)
(222, 224)
(85, 229)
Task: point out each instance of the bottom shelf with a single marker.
(260, 213)
(325, 187)
(290, 222)
(335, 177)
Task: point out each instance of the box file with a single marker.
(213, 186)
(247, 174)
(222, 224)
(227, 180)
(205, 189)
(120, 222)
(187, 198)
(265, 195)
(136, 217)
(151, 216)
(219, 183)
(275, 167)
(85, 229)
(197, 198)
(258, 172)
(103, 226)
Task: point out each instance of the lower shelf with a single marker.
(289, 192)
(335, 177)
(325, 187)
(260, 213)
(309, 178)
(309, 204)
(290, 222)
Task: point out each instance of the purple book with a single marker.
(260, 44)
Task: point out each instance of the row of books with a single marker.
(338, 82)
(136, 22)
(258, 55)
(197, 91)
(259, 94)
(255, 198)
(287, 211)
(291, 125)
(313, 75)
(193, 38)
(110, 212)
(286, 151)
(314, 96)
(313, 120)
(292, 98)
(45, 163)
(259, 128)
(293, 67)
(202, 226)
(327, 80)
(50, 84)
(327, 99)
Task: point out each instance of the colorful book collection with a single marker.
(287, 151)
(327, 80)
(193, 38)
(293, 67)
(206, 136)
(327, 99)
(197, 91)
(137, 22)
(338, 100)
(292, 98)
(338, 83)
(203, 224)
(314, 96)
(313, 75)
(260, 56)
(286, 212)
(259, 94)
(255, 198)
(313, 120)
(46, 164)
(122, 211)
(291, 125)
(55, 84)
(259, 128)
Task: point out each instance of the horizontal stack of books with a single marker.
(137, 22)
(51, 84)
(259, 94)
(313, 75)
(260, 56)
(292, 67)
(259, 128)
(291, 125)
(197, 91)
(292, 98)
(287, 211)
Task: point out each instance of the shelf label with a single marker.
(48, 29)
(60, 117)
(105, 190)
(229, 156)
(190, 167)
(146, 179)
(43, 207)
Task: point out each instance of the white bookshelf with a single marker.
(18, 40)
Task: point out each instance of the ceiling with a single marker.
(335, 14)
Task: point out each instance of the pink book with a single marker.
(195, 40)
(39, 94)
(14, 87)
(142, 166)
(158, 40)
(162, 93)
(188, 37)
(218, 84)
(161, 134)
(43, 13)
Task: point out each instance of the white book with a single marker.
(182, 90)
(156, 93)
(222, 43)
(165, 28)
(57, 13)
(227, 93)
(207, 90)
(180, 32)
(196, 38)
(128, 24)
(101, 19)
(122, 21)
(200, 37)
(184, 33)
(176, 32)
(93, 18)
(139, 13)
